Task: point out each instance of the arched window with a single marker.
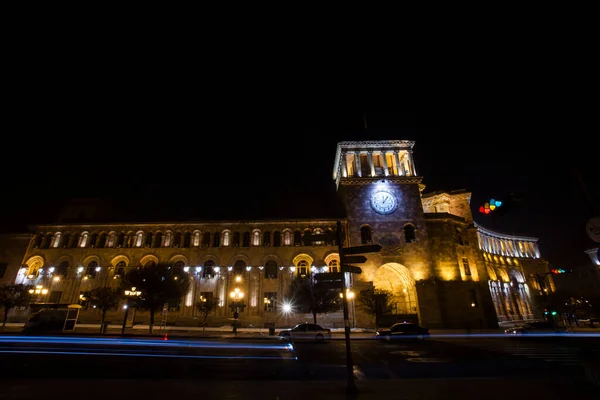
(186, 240)
(38, 241)
(158, 239)
(409, 234)
(334, 266)
(75, 241)
(83, 240)
(216, 239)
(366, 235)
(271, 270)
(287, 238)
(177, 268)
(297, 238)
(196, 239)
(302, 268)
(56, 241)
(92, 269)
(120, 268)
(63, 269)
(149, 239)
(101, 241)
(46, 241)
(121, 240)
(246, 241)
(236, 239)
(276, 239)
(208, 269)
(139, 239)
(239, 267)
(266, 239)
(226, 239)
(93, 239)
(256, 238)
(177, 239)
(206, 239)
(65, 240)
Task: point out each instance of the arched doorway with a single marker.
(398, 280)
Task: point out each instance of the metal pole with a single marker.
(351, 387)
(125, 318)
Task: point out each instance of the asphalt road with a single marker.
(544, 365)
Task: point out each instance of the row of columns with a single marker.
(411, 170)
(506, 247)
(511, 303)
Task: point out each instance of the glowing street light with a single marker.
(129, 294)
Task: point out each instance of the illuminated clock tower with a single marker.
(380, 189)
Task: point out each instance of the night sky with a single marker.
(189, 164)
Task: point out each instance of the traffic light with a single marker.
(557, 271)
(490, 206)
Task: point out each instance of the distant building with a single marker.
(442, 268)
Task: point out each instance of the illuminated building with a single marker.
(442, 268)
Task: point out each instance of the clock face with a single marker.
(383, 202)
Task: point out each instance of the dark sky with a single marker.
(206, 164)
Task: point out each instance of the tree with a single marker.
(206, 306)
(105, 298)
(311, 297)
(158, 286)
(14, 296)
(376, 302)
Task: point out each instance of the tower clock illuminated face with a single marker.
(383, 202)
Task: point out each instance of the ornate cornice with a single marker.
(371, 179)
(486, 232)
(378, 144)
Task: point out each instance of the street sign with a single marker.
(328, 276)
(370, 248)
(354, 259)
(351, 268)
(308, 238)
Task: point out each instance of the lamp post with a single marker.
(237, 301)
(39, 291)
(129, 294)
(350, 296)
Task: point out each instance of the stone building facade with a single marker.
(442, 268)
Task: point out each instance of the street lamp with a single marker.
(237, 299)
(129, 294)
(39, 290)
(350, 296)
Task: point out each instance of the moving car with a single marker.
(403, 330)
(306, 331)
(536, 328)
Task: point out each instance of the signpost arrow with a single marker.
(370, 248)
(354, 259)
(351, 268)
(328, 276)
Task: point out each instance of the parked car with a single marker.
(536, 328)
(402, 330)
(306, 331)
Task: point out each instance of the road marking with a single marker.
(428, 360)
(407, 353)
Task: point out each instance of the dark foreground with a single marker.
(118, 368)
